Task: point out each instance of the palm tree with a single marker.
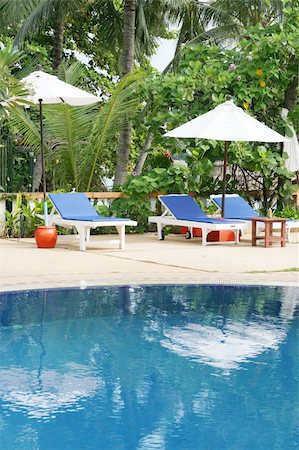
(34, 15)
(218, 21)
(126, 67)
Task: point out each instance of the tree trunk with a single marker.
(290, 97)
(121, 168)
(143, 154)
(58, 41)
(123, 155)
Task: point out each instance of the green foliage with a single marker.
(289, 212)
(23, 220)
(257, 74)
(205, 79)
(11, 90)
(270, 165)
(166, 180)
(136, 203)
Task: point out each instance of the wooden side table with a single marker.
(269, 237)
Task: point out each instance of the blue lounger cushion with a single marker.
(236, 208)
(97, 218)
(184, 207)
(76, 206)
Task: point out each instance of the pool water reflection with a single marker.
(154, 367)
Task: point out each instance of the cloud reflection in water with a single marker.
(22, 391)
(225, 350)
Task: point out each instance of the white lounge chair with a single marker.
(75, 210)
(236, 207)
(182, 210)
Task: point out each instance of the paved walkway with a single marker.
(145, 260)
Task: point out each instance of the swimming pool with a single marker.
(150, 367)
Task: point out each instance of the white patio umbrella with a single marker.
(48, 89)
(291, 147)
(227, 123)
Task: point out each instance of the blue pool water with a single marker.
(160, 367)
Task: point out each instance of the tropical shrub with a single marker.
(260, 74)
(23, 219)
(139, 190)
(289, 212)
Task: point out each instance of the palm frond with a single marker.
(9, 57)
(27, 128)
(70, 72)
(37, 14)
(14, 11)
(69, 129)
(122, 104)
(37, 18)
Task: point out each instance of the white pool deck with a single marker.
(145, 260)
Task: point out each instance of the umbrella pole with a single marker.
(224, 178)
(43, 161)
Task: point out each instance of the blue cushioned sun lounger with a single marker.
(75, 210)
(182, 210)
(237, 207)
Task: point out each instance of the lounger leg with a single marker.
(159, 230)
(87, 234)
(122, 236)
(82, 237)
(204, 236)
(82, 240)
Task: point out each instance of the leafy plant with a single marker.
(13, 219)
(289, 212)
(24, 218)
(138, 190)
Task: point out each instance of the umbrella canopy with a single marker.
(51, 90)
(48, 89)
(227, 122)
(292, 149)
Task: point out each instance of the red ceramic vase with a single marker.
(46, 237)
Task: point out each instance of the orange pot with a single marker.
(46, 237)
(213, 236)
(221, 236)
